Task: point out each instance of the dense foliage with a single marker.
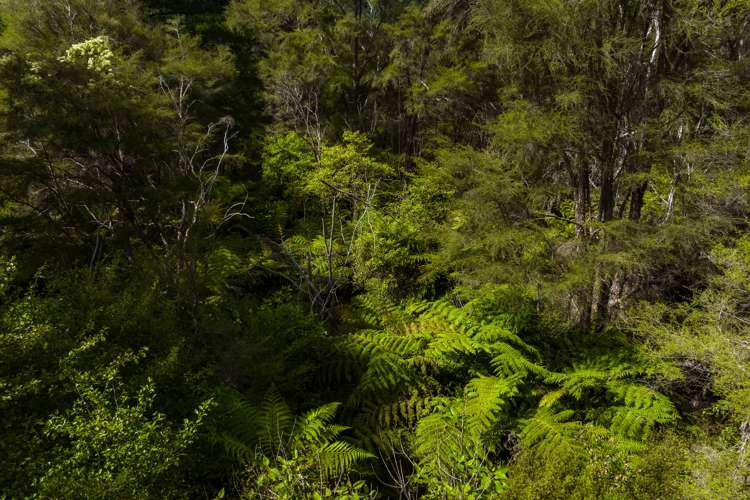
(356, 249)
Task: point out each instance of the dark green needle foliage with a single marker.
(312, 249)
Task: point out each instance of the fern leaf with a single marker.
(438, 439)
(313, 426)
(449, 344)
(236, 448)
(509, 361)
(275, 420)
(404, 412)
(642, 410)
(492, 333)
(551, 434)
(238, 425)
(384, 374)
(336, 457)
(486, 398)
(552, 397)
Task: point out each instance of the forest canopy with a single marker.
(353, 249)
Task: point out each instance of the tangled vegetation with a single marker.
(359, 249)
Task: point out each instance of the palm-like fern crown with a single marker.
(460, 383)
(402, 364)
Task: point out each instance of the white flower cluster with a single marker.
(95, 53)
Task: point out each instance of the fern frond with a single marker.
(405, 412)
(551, 434)
(582, 379)
(369, 342)
(492, 333)
(438, 438)
(384, 374)
(643, 409)
(448, 344)
(336, 457)
(552, 397)
(631, 446)
(444, 313)
(509, 361)
(486, 397)
(379, 311)
(275, 421)
(595, 374)
(237, 449)
(237, 421)
(313, 427)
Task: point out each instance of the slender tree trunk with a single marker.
(671, 198)
(582, 200)
(411, 142)
(636, 202)
(615, 294)
(617, 290)
(582, 309)
(623, 204)
(607, 195)
(357, 90)
(581, 299)
(601, 290)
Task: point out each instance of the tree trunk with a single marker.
(580, 300)
(607, 195)
(601, 289)
(615, 294)
(582, 200)
(636, 202)
(581, 310)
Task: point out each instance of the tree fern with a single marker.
(377, 311)
(402, 384)
(551, 434)
(448, 344)
(508, 361)
(642, 410)
(632, 410)
(582, 378)
(370, 342)
(591, 374)
(439, 438)
(486, 397)
(385, 374)
(404, 412)
(438, 339)
(493, 333)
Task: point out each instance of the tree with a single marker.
(108, 137)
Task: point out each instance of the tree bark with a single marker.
(582, 200)
(607, 194)
(580, 301)
(636, 202)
